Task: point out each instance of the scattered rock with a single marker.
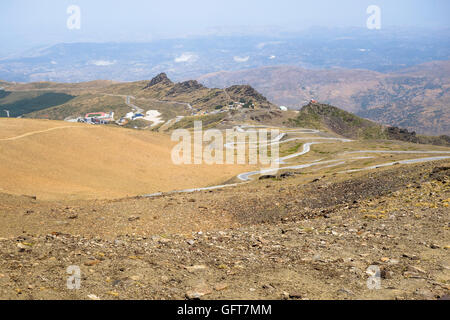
(198, 292)
(267, 177)
(346, 291)
(285, 295)
(196, 268)
(92, 263)
(221, 286)
(23, 247)
(295, 295)
(426, 294)
(286, 175)
(416, 269)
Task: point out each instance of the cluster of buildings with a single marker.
(231, 106)
(130, 116)
(95, 118)
(107, 118)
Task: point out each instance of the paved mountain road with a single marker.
(246, 177)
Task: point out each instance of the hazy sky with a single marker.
(27, 23)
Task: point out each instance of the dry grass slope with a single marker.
(53, 160)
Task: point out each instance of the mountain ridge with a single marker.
(415, 98)
(330, 118)
(187, 98)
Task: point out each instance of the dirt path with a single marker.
(39, 132)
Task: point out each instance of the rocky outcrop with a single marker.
(160, 78)
(247, 91)
(401, 134)
(186, 87)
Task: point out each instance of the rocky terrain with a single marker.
(78, 196)
(278, 239)
(161, 87)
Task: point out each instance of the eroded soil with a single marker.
(300, 237)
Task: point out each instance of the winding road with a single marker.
(246, 177)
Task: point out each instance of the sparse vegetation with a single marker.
(21, 103)
(326, 117)
(321, 116)
(207, 121)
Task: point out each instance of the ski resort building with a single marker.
(99, 117)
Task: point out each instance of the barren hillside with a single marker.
(53, 160)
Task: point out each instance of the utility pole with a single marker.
(7, 113)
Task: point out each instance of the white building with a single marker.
(129, 115)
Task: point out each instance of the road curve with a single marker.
(246, 177)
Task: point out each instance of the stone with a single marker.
(285, 295)
(416, 269)
(24, 247)
(346, 291)
(198, 292)
(91, 263)
(221, 286)
(295, 295)
(113, 293)
(196, 268)
(266, 177)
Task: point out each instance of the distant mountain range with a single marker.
(417, 98)
(396, 77)
(383, 50)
